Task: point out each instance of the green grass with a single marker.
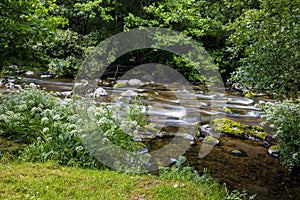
(51, 181)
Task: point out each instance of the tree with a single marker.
(25, 23)
(267, 42)
(206, 21)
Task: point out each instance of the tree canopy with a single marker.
(255, 42)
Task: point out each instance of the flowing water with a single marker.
(254, 170)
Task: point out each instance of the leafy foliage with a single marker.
(267, 41)
(284, 118)
(23, 24)
(26, 22)
(50, 127)
(205, 21)
(65, 52)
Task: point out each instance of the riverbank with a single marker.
(26, 180)
(52, 181)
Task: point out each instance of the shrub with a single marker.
(50, 127)
(66, 52)
(284, 119)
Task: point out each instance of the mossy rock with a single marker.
(210, 140)
(237, 152)
(236, 129)
(274, 150)
(121, 84)
(227, 110)
(229, 127)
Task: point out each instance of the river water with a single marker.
(255, 170)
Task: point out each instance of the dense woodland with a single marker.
(254, 43)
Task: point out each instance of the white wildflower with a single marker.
(295, 156)
(44, 120)
(102, 120)
(33, 110)
(56, 117)
(79, 148)
(272, 126)
(269, 104)
(73, 132)
(45, 130)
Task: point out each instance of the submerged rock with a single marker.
(210, 140)
(10, 85)
(137, 138)
(236, 129)
(188, 136)
(206, 130)
(129, 93)
(274, 150)
(46, 76)
(237, 152)
(66, 93)
(173, 160)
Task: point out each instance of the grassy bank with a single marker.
(51, 181)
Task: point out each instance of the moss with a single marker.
(274, 148)
(120, 84)
(237, 152)
(227, 110)
(256, 132)
(236, 129)
(250, 94)
(229, 127)
(210, 140)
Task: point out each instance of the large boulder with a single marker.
(135, 83)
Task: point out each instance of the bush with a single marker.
(266, 43)
(284, 119)
(66, 52)
(49, 126)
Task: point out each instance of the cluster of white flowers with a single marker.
(44, 120)
(35, 110)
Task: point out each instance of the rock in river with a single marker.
(29, 73)
(121, 84)
(274, 150)
(237, 152)
(188, 136)
(100, 92)
(135, 83)
(210, 140)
